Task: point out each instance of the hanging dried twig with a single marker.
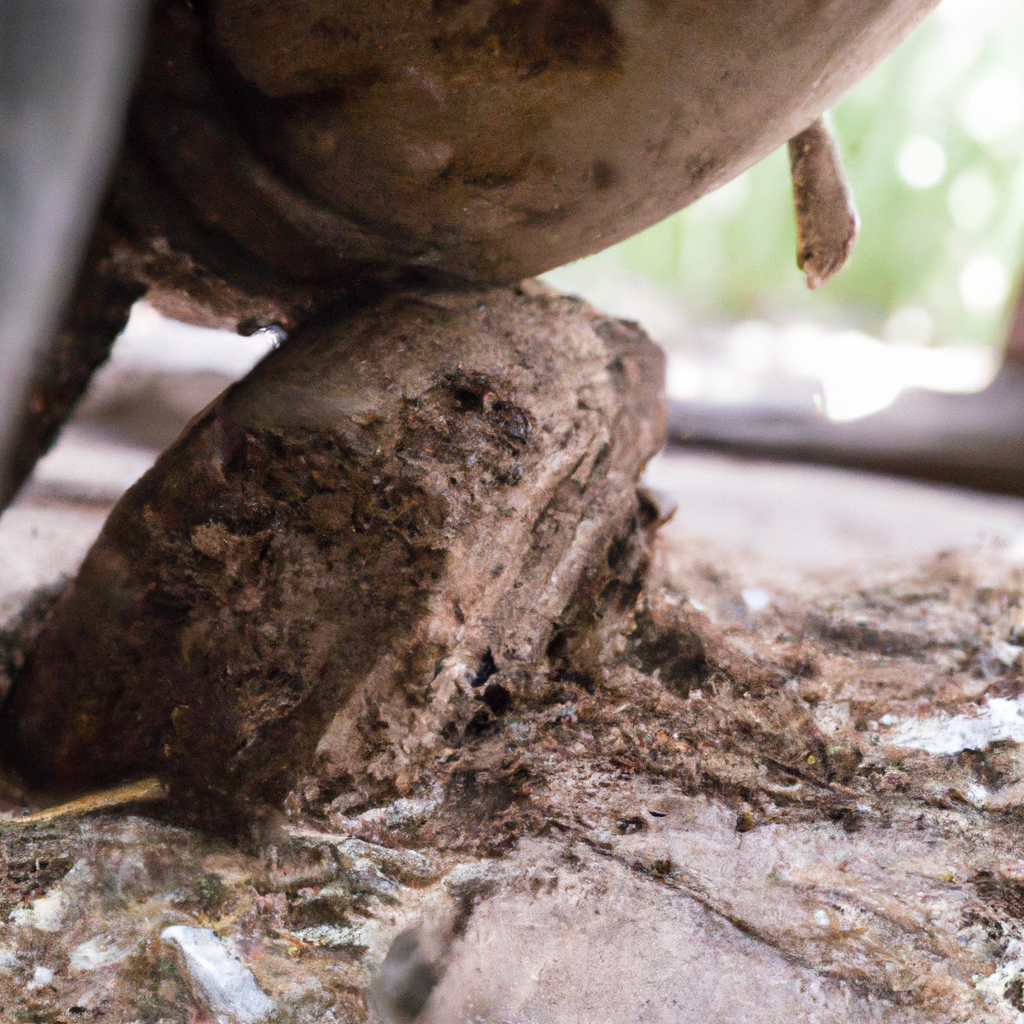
(826, 218)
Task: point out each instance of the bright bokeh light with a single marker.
(993, 105)
(853, 373)
(972, 199)
(861, 375)
(984, 283)
(933, 143)
(910, 325)
(921, 162)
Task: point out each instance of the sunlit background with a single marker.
(933, 142)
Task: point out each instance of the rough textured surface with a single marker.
(316, 142)
(498, 139)
(727, 828)
(392, 508)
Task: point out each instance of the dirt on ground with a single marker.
(714, 813)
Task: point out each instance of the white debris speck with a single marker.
(229, 987)
(45, 914)
(976, 796)
(832, 719)
(42, 977)
(1007, 653)
(1011, 967)
(333, 936)
(403, 811)
(888, 720)
(821, 918)
(999, 719)
(474, 875)
(95, 953)
(755, 598)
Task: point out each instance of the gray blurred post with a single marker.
(66, 70)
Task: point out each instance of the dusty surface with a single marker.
(742, 821)
(730, 827)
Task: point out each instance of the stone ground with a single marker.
(795, 795)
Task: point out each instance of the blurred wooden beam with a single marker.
(974, 440)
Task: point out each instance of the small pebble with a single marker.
(1006, 653)
(228, 985)
(42, 977)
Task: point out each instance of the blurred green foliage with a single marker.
(946, 112)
